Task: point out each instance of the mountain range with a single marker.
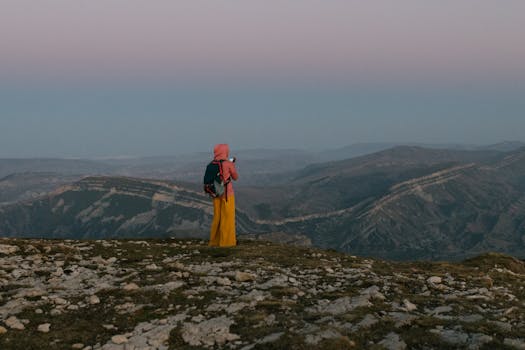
(402, 203)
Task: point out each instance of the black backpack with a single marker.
(214, 182)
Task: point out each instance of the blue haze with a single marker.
(140, 120)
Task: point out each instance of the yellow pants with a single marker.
(222, 233)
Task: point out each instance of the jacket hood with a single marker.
(221, 151)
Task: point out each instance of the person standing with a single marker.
(222, 232)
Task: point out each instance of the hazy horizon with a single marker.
(131, 78)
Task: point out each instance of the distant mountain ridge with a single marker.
(361, 149)
(258, 164)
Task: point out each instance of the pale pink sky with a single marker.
(329, 39)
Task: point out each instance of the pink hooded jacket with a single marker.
(222, 152)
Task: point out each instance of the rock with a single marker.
(170, 286)
(130, 287)
(12, 307)
(271, 338)
(55, 312)
(279, 281)
(270, 320)
(152, 267)
(477, 340)
(60, 301)
(393, 342)
(367, 322)
(7, 249)
(244, 276)
(515, 343)
(434, 280)
(504, 326)
(77, 346)
(315, 338)
(215, 331)
(235, 307)
(223, 281)
(471, 318)
(373, 293)
(402, 318)
(44, 328)
(454, 337)
(14, 323)
(93, 300)
(340, 306)
(3, 330)
(440, 310)
(409, 306)
(30, 293)
(119, 339)
(255, 295)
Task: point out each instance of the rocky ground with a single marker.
(181, 294)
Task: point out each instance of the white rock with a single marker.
(215, 331)
(367, 322)
(515, 343)
(235, 307)
(55, 312)
(8, 249)
(77, 346)
(434, 280)
(119, 339)
(223, 281)
(441, 310)
(409, 306)
(340, 306)
(477, 340)
(60, 301)
(130, 287)
(93, 300)
(14, 323)
(393, 342)
(59, 272)
(373, 293)
(244, 276)
(44, 328)
(152, 267)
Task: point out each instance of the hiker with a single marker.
(218, 184)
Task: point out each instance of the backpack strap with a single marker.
(226, 182)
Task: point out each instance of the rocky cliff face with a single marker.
(181, 294)
(105, 207)
(409, 204)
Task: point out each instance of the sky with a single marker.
(93, 78)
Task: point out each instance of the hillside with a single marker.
(108, 207)
(408, 203)
(181, 294)
(403, 203)
(25, 186)
(338, 185)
